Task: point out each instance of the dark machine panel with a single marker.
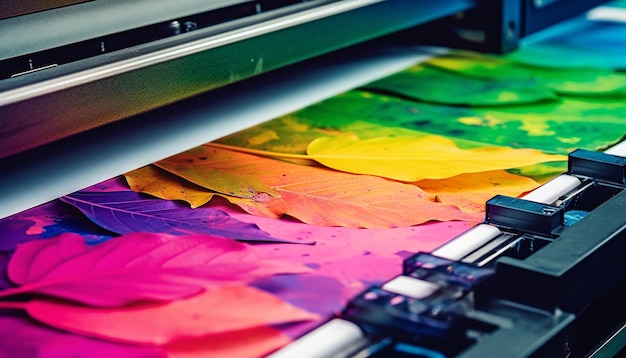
(73, 95)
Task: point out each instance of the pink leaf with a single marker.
(134, 267)
(225, 309)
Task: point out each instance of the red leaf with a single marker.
(225, 309)
(254, 342)
(133, 267)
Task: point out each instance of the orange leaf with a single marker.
(225, 309)
(313, 195)
(470, 191)
(222, 171)
(162, 184)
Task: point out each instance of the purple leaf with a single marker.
(134, 267)
(124, 212)
(46, 221)
(323, 295)
(13, 231)
(4, 261)
(21, 337)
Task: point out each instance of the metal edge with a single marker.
(182, 50)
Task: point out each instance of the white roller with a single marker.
(618, 149)
(607, 13)
(467, 242)
(549, 192)
(411, 287)
(327, 340)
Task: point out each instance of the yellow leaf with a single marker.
(311, 194)
(470, 191)
(410, 159)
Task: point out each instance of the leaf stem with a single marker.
(13, 305)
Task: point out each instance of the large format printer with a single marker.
(73, 66)
(156, 78)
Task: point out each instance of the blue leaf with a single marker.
(125, 212)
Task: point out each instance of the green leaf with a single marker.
(557, 127)
(430, 84)
(583, 82)
(481, 66)
(286, 134)
(564, 81)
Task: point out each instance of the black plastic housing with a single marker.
(524, 215)
(586, 260)
(598, 165)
